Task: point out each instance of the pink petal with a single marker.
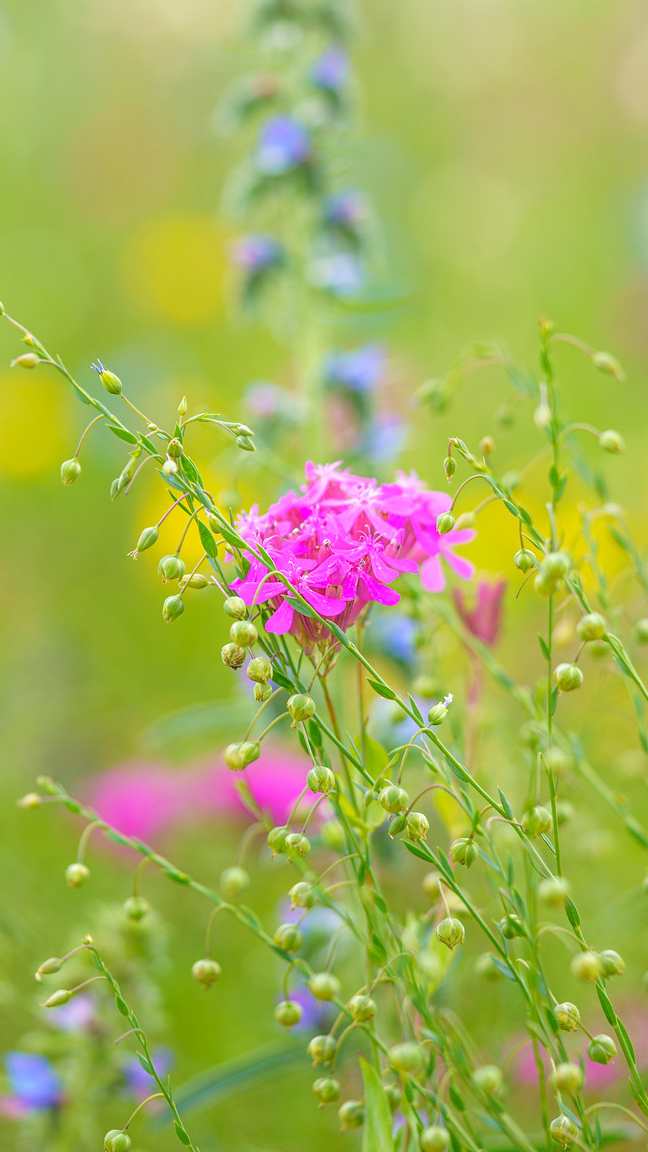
(432, 577)
(281, 620)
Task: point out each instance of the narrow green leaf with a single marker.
(608, 1010)
(506, 805)
(181, 1134)
(123, 434)
(544, 649)
(207, 540)
(377, 1131)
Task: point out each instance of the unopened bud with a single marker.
(326, 1089)
(169, 468)
(602, 1049)
(174, 448)
(321, 779)
(233, 656)
(397, 826)
(70, 471)
(172, 608)
(110, 382)
(568, 677)
(586, 966)
(542, 416)
(48, 967)
(277, 839)
(195, 580)
(182, 407)
(259, 669)
(117, 1141)
(449, 467)
(407, 1058)
(301, 707)
(171, 568)
(206, 972)
(451, 932)
(76, 875)
(321, 1049)
(27, 360)
(297, 845)
(591, 627)
(324, 986)
(238, 756)
(445, 523)
(434, 1139)
(567, 1078)
(511, 926)
(243, 633)
(288, 1013)
(464, 850)
(232, 881)
(609, 365)
(136, 908)
(31, 800)
(524, 560)
(611, 963)
(486, 445)
(488, 1078)
(612, 442)
(641, 631)
(362, 1008)
(418, 826)
(58, 999)
(288, 938)
(246, 443)
(147, 539)
(437, 714)
(563, 1131)
(262, 692)
(567, 1016)
(394, 799)
(235, 607)
(302, 895)
(537, 821)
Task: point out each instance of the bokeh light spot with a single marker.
(174, 268)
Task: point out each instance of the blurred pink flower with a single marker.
(142, 799)
(484, 619)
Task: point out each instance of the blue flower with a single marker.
(257, 253)
(330, 71)
(360, 370)
(283, 145)
(345, 209)
(395, 635)
(34, 1083)
(340, 273)
(385, 437)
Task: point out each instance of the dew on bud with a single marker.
(76, 875)
(451, 932)
(206, 972)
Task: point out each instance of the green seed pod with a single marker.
(445, 523)
(243, 633)
(277, 839)
(434, 1139)
(171, 568)
(76, 875)
(641, 632)
(233, 881)
(563, 1131)
(206, 972)
(302, 895)
(612, 442)
(148, 538)
(591, 627)
(488, 1078)
(301, 707)
(510, 927)
(246, 443)
(136, 908)
(324, 986)
(297, 845)
(321, 779)
(195, 580)
(451, 932)
(110, 382)
(235, 607)
(449, 467)
(70, 471)
(172, 608)
(568, 677)
(233, 656)
(27, 360)
(48, 967)
(260, 669)
(394, 799)
(116, 1141)
(288, 937)
(394, 1097)
(524, 560)
(238, 756)
(609, 365)
(288, 1013)
(554, 891)
(586, 966)
(397, 826)
(58, 999)
(262, 692)
(351, 1115)
(554, 566)
(169, 468)
(537, 821)
(567, 1078)
(407, 1058)
(321, 1049)
(464, 850)
(418, 826)
(437, 714)
(568, 1016)
(362, 1008)
(602, 1049)
(174, 448)
(611, 963)
(326, 1089)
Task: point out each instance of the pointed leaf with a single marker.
(377, 1131)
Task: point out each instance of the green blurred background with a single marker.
(504, 145)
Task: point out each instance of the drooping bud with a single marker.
(394, 799)
(434, 1139)
(324, 986)
(288, 1013)
(235, 607)
(511, 926)
(259, 670)
(195, 580)
(563, 1130)
(277, 839)
(246, 443)
(321, 779)
(407, 1058)
(243, 633)
(300, 707)
(117, 1141)
(76, 875)
(297, 845)
(586, 966)
(288, 938)
(567, 1078)
(602, 1049)
(302, 895)
(232, 881)
(351, 1115)
(70, 471)
(445, 523)
(611, 963)
(554, 566)
(172, 608)
(524, 560)
(568, 677)
(612, 442)
(32, 800)
(262, 692)
(233, 656)
(171, 568)
(136, 908)
(537, 821)
(169, 468)
(608, 364)
(418, 826)
(27, 360)
(58, 999)
(554, 891)
(206, 972)
(451, 932)
(464, 850)
(326, 1089)
(321, 1049)
(567, 1016)
(591, 627)
(397, 825)
(449, 467)
(488, 1078)
(48, 967)
(362, 1008)
(238, 756)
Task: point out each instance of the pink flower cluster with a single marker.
(341, 541)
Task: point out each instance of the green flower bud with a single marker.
(449, 467)
(169, 468)
(171, 568)
(397, 826)
(136, 908)
(488, 1078)
(174, 448)
(568, 677)
(394, 1097)
(641, 631)
(259, 670)
(116, 1141)
(195, 580)
(324, 986)
(524, 560)
(536, 822)
(445, 523)
(567, 1016)
(48, 967)
(609, 365)
(602, 1049)
(243, 633)
(321, 1049)
(418, 826)
(110, 382)
(326, 1089)
(206, 972)
(27, 360)
(407, 1058)
(58, 999)
(563, 1131)
(233, 881)
(246, 443)
(147, 539)
(434, 1139)
(76, 875)
(288, 937)
(568, 1078)
(510, 927)
(394, 799)
(288, 1013)
(172, 608)
(351, 1115)
(277, 839)
(235, 607)
(611, 963)
(321, 779)
(297, 845)
(586, 966)
(611, 441)
(554, 566)
(262, 692)
(332, 834)
(437, 714)
(31, 801)
(451, 932)
(70, 471)
(233, 656)
(362, 1008)
(591, 627)
(238, 756)
(464, 850)
(554, 891)
(301, 707)
(303, 895)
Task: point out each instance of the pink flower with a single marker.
(484, 619)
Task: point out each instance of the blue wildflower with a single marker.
(360, 370)
(257, 253)
(283, 145)
(395, 635)
(34, 1083)
(346, 209)
(330, 71)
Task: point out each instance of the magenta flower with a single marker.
(484, 619)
